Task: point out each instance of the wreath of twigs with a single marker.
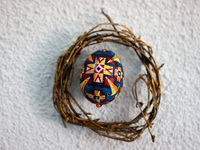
(125, 131)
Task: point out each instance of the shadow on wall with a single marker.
(41, 71)
(41, 77)
(123, 107)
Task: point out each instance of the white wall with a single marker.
(34, 33)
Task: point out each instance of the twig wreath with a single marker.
(119, 130)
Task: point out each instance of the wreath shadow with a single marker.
(42, 68)
(41, 72)
(123, 107)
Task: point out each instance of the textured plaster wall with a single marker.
(34, 33)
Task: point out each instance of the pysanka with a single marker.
(101, 77)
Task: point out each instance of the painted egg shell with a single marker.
(101, 77)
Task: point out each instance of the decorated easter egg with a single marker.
(101, 77)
